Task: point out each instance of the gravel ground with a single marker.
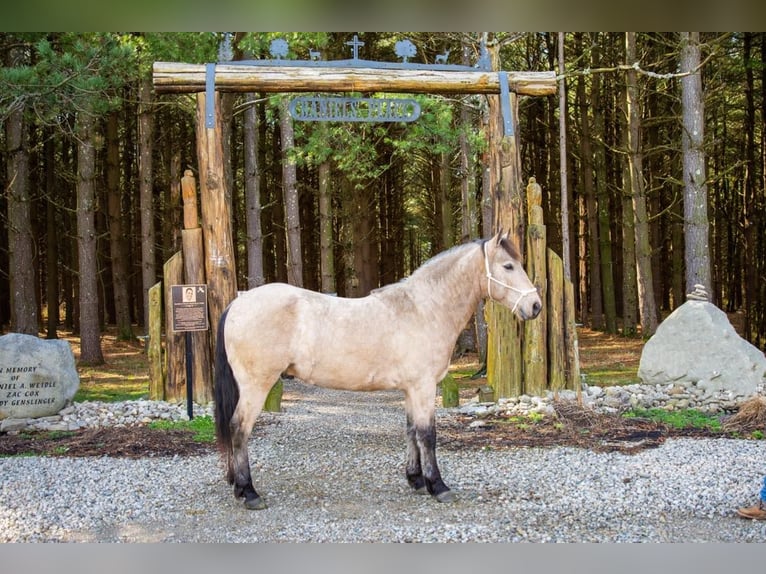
(331, 467)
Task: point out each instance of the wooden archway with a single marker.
(502, 89)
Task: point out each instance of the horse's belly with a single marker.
(345, 376)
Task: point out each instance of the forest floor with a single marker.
(605, 359)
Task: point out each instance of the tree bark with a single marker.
(602, 199)
(21, 256)
(504, 360)
(255, 273)
(290, 196)
(326, 251)
(145, 185)
(52, 251)
(220, 268)
(646, 300)
(90, 330)
(629, 278)
(117, 240)
(697, 247)
(565, 244)
(594, 293)
(171, 77)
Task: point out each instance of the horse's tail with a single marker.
(226, 396)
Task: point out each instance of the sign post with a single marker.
(189, 314)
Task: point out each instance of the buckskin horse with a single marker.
(398, 337)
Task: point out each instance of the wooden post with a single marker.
(450, 392)
(154, 344)
(534, 344)
(555, 303)
(570, 333)
(175, 348)
(180, 78)
(273, 402)
(194, 273)
(504, 357)
(216, 215)
(189, 195)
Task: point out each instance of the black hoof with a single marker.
(256, 503)
(446, 496)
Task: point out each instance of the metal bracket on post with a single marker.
(209, 95)
(505, 104)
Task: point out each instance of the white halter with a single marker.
(490, 278)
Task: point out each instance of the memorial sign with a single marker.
(189, 307)
(38, 377)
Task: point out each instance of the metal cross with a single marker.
(355, 44)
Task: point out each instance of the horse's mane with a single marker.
(438, 260)
(428, 267)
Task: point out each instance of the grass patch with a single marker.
(123, 378)
(612, 375)
(202, 427)
(680, 419)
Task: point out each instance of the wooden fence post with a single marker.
(216, 214)
(570, 333)
(534, 342)
(555, 303)
(450, 392)
(154, 344)
(194, 274)
(175, 350)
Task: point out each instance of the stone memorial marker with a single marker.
(696, 345)
(38, 377)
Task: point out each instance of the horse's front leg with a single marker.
(422, 469)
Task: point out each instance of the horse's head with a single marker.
(506, 281)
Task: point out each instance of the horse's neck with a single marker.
(451, 285)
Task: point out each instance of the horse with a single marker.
(400, 336)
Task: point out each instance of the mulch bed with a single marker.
(572, 426)
(123, 442)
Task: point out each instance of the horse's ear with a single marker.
(498, 237)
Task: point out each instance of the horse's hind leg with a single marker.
(239, 466)
(413, 470)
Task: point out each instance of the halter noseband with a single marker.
(490, 279)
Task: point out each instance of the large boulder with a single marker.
(38, 377)
(696, 345)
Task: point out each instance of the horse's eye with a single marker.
(508, 266)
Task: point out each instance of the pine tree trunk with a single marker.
(117, 240)
(290, 195)
(629, 279)
(90, 331)
(646, 300)
(697, 248)
(52, 251)
(326, 251)
(145, 191)
(445, 184)
(21, 256)
(255, 273)
(594, 293)
(603, 201)
(750, 214)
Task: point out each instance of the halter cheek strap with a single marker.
(490, 279)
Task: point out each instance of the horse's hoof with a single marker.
(256, 503)
(446, 496)
(422, 490)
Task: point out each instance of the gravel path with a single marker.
(331, 470)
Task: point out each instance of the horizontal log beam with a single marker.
(179, 78)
